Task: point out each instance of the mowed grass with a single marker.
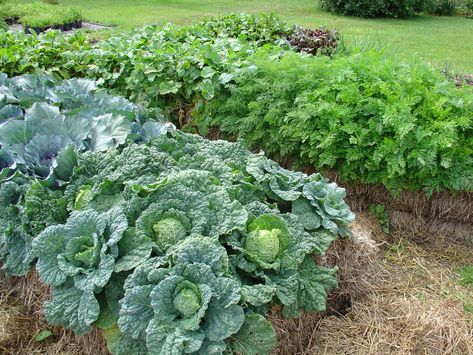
(444, 41)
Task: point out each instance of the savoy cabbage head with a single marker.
(184, 304)
(78, 259)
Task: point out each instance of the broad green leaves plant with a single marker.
(46, 124)
(159, 67)
(208, 237)
(371, 119)
(186, 304)
(78, 259)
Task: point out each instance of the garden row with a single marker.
(373, 119)
(166, 241)
(40, 17)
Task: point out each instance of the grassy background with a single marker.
(444, 41)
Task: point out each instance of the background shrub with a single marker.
(441, 7)
(374, 8)
(467, 7)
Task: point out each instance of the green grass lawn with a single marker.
(444, 41)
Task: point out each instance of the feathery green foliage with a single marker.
(375, 120)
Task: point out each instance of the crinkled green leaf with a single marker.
(72, 308)
(220, 323)
(133, 250)
(162, 338)
(257, 295)
(256, 337)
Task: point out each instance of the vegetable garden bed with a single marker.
(170, 243)
(120, 214)
(354, 254)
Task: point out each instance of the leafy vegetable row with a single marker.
(44, 124)
(155, 66)
(170, 245)
(373, 119)
(159, 67)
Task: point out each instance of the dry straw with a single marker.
(403, 299)
(22, 318)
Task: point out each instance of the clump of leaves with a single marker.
(375, 8)
(466, 275)
(161, 67)
(319, 41)
(228, 232)
(375, 120)
(382, 215)
(46, 123)
(3, 25)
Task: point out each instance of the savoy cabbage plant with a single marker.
(184, 304)
(167, 242)
(78, 258)
(209, 201)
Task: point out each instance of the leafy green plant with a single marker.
(78, 259)
(159, 67)
(209, 195)
(382, 215)
(442, 7)
(372, 119)
(466, 7)
(191, 306)
(469, 5)
(261, 29)
(46, 124)
(37, 21)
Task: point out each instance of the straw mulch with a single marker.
(444, 213)
(406, 300)
(21, 319)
